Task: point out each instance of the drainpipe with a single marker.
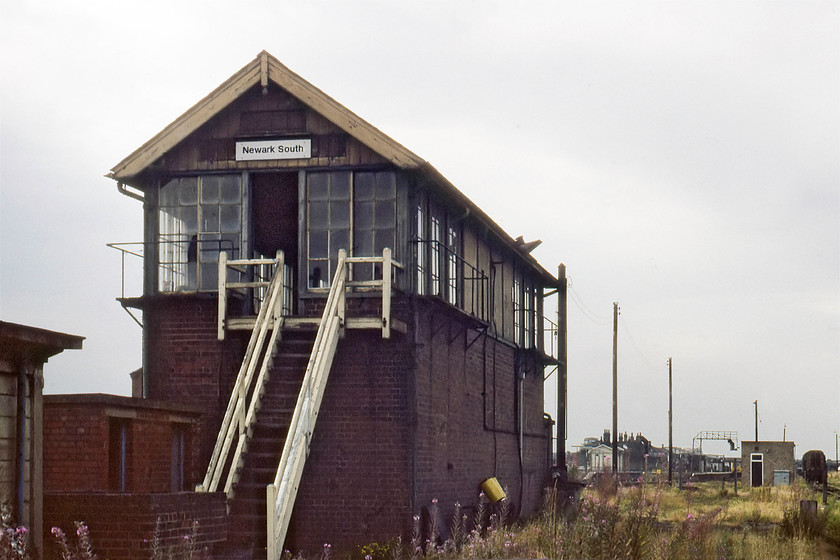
(123, 190)
(21, 442)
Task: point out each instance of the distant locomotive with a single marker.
(813, 463)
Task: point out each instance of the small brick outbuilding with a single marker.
(767, 463)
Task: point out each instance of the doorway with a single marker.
(274, 214)
(756, 469)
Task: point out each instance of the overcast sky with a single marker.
(681, 158)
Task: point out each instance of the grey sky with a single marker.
(681, 158)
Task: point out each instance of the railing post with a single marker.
(342, 302)
(277, 312)
(222, 293)
(386, 292)
(271, 522)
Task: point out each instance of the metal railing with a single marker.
(178, 259)
(449, 276)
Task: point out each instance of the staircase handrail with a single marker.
(281, 494)
(267, 316)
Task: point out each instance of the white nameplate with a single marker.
(252, 150)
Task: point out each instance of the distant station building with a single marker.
(767, 463)
(300, 265)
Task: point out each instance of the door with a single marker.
(756, 469)
(274, 198)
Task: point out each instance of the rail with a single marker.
(237, 423)
(264, 271)
(281, 494)
(441, 272)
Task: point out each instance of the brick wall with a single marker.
(356, 486)
(122, 526)
(405, 422)
(467, 426)
(75, 446)
(78, 442)
(186, 363)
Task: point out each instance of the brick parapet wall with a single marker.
(122, 526)
(77, 436)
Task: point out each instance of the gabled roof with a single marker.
(265, 69)
(262, 70)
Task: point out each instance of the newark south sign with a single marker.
(252, 150)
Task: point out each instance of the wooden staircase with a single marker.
(247, 518)
(264, 438)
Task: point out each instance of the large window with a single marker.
(199, 217)
(354, 211)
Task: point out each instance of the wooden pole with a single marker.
(756, 420)
(670, 423)
(562, 368)
(615, 392)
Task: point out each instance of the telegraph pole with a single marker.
(615, 392)
(670, 423)
(562, 370)
(756, 419)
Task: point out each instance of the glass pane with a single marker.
(318, 216)
(339, 239)
(169, 193)
(210, 218)
(340, 185)
(384, 214)
(339, 214)
(386, 185)
(189, 221)
(230, 189)
(363, 186)
(210, 189)
(188, 191)
(230, 245)
(209, 246)
(363, 215)
(318, 274)
(209, 276)
(230, 218)
(318, 186)
(318, 244)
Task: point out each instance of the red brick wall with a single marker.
(467, 410)
(122, 526)
(76, 442)
(75, 448)
(405, 421)
(186, 363)
(356, 486)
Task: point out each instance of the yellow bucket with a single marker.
(493, 490)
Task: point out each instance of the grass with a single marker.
(656, 522)
(701, 521)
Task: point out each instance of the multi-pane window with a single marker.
(199, 217)
(524, 300)
(354, 211)
(374, 218)
(452, 274)
(328, 209)
(516, 300)
(435, 254)
(422, 270)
